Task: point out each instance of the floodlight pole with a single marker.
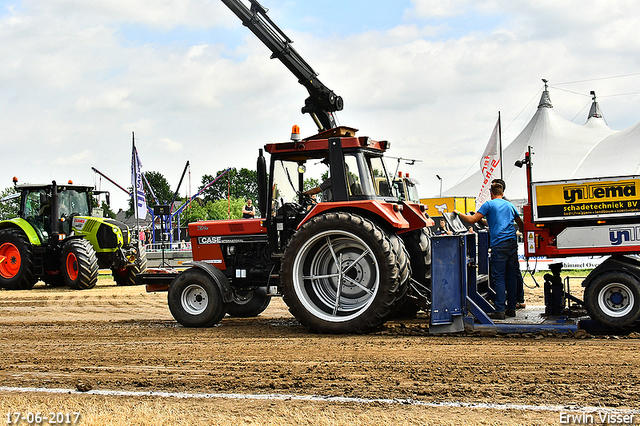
(440, 179)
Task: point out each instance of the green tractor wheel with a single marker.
(16, 261)
(79, 265)
(127, 276)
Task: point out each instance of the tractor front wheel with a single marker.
(127, 275)
(16, 261)
(79, 265)
(195, 299)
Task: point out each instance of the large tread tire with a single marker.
(340, 274)
(418, 244)
(404, 279)
(79, 265)
(195, 299)
(612, 299)
(127, 276)
(249, 303)
(16, 261)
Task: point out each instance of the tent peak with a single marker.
(595, 111)
(545, 100)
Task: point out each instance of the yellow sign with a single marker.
(437, 206)
(581, 199)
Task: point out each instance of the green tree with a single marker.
(241, 184)
(9, 208)
(219, 210)
(212, 210)
(310, 183)
(160, 187)
(194, 212)
(106, 208)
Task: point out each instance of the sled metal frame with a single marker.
(456, 303)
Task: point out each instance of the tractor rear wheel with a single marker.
(16, 261)
(613, 300)
(404, 280)
(340, 274)
(127, 276)
(418, 245)
(249, 303)
(79, 264)
(195, 299)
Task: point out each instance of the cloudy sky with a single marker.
(77, 77)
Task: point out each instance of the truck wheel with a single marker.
(16, 261)
(340, 274)
(79, 265)
(195, 300)
(613, 299)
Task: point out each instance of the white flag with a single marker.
(489, 165)
(136, 181)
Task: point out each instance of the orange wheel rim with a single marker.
(10, 260)
(122, 272)
(72, 266)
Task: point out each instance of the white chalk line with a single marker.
(341, 399)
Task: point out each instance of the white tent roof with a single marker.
(558, 148)
(615, 155)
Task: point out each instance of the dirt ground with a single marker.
(123, 339)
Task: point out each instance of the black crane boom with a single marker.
(322, 101)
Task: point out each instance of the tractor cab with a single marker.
(49, 209)
(406, 187)
(351, 168)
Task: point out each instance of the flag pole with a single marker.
(500, 144)
(134, 159)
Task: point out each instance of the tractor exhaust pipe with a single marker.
(261, 169)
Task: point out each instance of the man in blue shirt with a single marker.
(500, 215)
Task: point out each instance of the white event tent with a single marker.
(616, 155)
(558, 145)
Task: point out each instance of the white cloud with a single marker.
(74, 158)
(171, 146)
(162, 14)
(438, 8)
(74, 88)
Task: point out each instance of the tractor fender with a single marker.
(383, 213)
(75, 237)
(25, 226)
(628, 264)
(218, 277)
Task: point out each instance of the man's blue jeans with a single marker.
(504, 267)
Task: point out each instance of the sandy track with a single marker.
(122, 338)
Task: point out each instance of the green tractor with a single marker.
(56, 239)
